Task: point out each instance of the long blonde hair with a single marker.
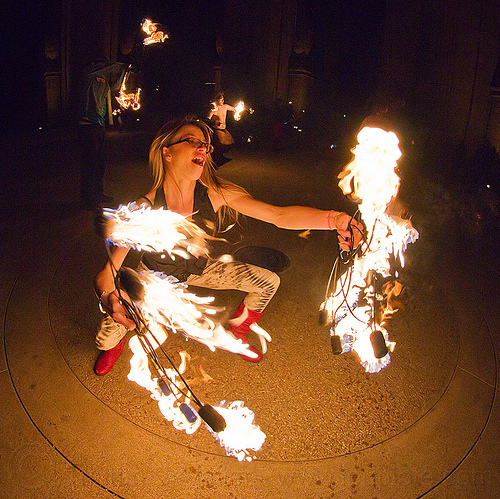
(209, 177)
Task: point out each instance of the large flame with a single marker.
(138, 226)
(371, 180)
(168, 304)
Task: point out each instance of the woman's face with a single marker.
(184, 159)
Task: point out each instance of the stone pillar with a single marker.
(53, 77)
(300, 77)
(89, 31)
(493, 133)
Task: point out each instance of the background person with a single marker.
(223, 140)
(92, 132)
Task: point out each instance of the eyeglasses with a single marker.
(196, 143)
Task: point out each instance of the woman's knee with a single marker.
(109, 334)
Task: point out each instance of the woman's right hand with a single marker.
(111, 303)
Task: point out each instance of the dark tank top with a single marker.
(182, 268)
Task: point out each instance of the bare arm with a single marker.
(290, 217)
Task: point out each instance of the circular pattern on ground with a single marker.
(309, 403)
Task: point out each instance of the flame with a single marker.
(171, 402)
(240, 435)
(168, 304)
(166, 301)
(155, 35)
(371, 180)
(238, 109)
(390, 290)
(138, 226)
(125, 99)
(173, 396)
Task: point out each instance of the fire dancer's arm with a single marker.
(106, 290)
(291, 217)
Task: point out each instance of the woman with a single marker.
(186, 183)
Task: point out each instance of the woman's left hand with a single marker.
(350, 231)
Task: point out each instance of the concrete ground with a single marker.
(426, 425)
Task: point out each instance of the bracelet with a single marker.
(99, 298)
(334, 218)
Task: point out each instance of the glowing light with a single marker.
(371, 180)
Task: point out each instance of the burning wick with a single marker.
(151, 29)
(354, 303)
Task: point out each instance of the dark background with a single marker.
(344, 58)
(435, 63)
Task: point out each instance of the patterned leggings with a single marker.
(260, 285)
